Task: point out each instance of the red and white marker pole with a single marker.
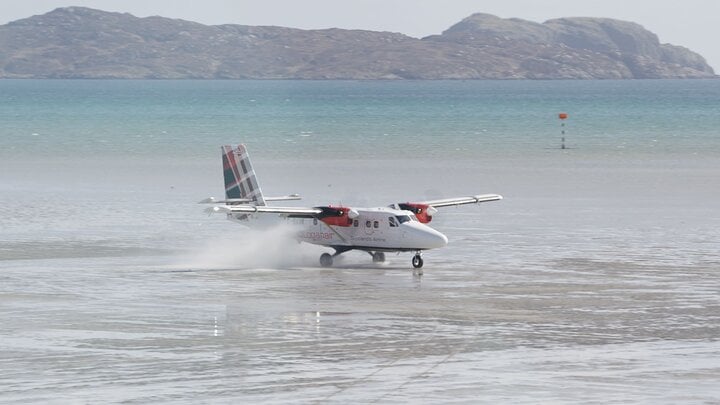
(563, 116)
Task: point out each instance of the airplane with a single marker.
(399, 227)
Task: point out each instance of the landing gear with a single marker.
(417, 261)
(326, 260)
(378, 257)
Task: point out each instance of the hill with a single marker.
(77, 42)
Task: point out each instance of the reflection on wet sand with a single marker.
(570, 330)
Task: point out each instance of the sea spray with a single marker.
(244, 247)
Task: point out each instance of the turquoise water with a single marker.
(350, 119)
(594, 280)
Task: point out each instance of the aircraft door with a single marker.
(367, 224)
(394, 230)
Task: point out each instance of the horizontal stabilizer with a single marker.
(212, 200)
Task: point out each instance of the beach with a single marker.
(594, 280)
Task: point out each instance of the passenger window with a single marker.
(314, 221)
(376, 224)
(368, 224)
(355, 223)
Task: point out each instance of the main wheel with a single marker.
(378, 257)
(417, 261)
(326, 260)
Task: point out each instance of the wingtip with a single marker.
(488, 197)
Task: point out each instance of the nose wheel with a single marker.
(417, 261)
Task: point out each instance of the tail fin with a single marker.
(240, 180)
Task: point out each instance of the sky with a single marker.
(690, 23)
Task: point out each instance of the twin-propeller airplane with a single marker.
(400, 227)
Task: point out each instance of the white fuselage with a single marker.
(395, 228)
(372, 229)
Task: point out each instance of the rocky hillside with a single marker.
(77, 42)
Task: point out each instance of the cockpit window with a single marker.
(403, 218)
(393, 222)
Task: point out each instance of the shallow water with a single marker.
(560, 331)
(595, 280)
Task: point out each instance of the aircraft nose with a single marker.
(435, 239)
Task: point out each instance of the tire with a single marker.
(326, 260)
(417, 261)
(378, 257)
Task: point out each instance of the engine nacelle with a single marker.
(423, 212)
(337, 216)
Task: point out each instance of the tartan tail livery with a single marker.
(240, 181)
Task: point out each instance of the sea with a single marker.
(595, 280)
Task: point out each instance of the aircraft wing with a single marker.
(263, 210)
(424, 210)
(447, 202)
